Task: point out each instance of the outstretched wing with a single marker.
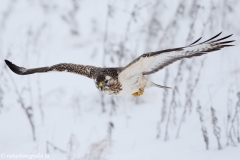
(62, 67)
(149, 63)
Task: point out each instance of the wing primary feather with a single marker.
(212, 50)
(195, 41)
(13, 67)
(164, 51)
(212, 38)
(23, 71)
(227, 45)
(225, 42)
(221, 38)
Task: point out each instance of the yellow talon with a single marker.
(135, 94)
(138, 93)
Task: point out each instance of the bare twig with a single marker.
(72, 148)
(110, 128)
(27, 110)
(103, 103)
(113, 106)
(7, 13)
(216, 129)
(203, 128)
(54, 147)
(235, 124)
(70, 18)
(189, 97)
(164, 104)
(98, 150)
(173, 103)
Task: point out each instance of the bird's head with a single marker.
(104, 83)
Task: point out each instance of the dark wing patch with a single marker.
(23, 71)
(62, 67)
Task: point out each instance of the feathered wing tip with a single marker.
(23, 71)
(16, 69)
(212, 38)
(215, 41)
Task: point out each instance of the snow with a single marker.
(73, 120)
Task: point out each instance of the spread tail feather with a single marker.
(165, 87)
(151, 84)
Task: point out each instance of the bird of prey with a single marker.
(131, 79)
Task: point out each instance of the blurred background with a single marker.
(66, 117)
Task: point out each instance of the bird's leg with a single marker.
(138, 93)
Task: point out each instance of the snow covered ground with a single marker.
(66, 117)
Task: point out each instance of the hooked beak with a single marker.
(100, 85)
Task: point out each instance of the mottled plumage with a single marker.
(131, 79)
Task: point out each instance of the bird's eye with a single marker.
(106, 81)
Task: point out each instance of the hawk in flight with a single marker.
(131, 79)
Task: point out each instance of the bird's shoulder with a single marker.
(113, 71)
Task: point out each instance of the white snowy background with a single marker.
(65, 116)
